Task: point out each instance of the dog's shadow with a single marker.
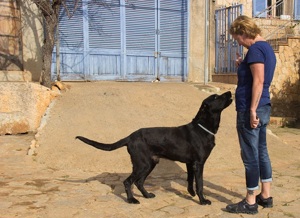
(168, 176)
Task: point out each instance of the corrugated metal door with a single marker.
(140, 40)
(172, 39)
(123, 40)
(72, 47)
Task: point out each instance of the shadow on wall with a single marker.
(34, 66)
(286, 101)
(32, 43)
(10, 41)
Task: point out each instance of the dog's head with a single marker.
(209, 113)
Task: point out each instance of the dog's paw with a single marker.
(150, 195)
(133, 201)
(192, 192)
(205, 202)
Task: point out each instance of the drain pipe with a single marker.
(206, 51)
(57, 54)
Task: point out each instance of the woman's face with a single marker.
(242, 40)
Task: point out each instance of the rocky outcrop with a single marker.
(22, 106)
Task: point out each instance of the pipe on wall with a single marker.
(206, 50)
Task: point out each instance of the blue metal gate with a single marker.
(226, 47)
(123, 40)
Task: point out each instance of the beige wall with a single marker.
(32, 39)
(196, 56)
(196, 41)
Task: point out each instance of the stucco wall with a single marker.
(32, 38)
(197, 53)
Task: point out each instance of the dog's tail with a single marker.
(102, 146)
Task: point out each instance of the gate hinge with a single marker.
(156, 54)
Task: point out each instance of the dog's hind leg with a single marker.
(190, 179)
(198, 170)
(140, 181)
(128, 183)
(138, 176)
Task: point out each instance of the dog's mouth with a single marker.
(228, 96)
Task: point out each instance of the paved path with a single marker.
(67, 179)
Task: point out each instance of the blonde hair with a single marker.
(244, 25)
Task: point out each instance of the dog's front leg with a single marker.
(198, 170)
(190, 179)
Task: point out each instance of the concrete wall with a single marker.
(32, 30)
(196, 55)
(32, 39)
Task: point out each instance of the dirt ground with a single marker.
(67, 178)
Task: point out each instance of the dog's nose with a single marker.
(228, 93)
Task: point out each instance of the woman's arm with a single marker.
(257, 70)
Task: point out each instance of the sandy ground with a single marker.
(67, 178)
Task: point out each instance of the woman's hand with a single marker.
(238, 59)
(254, 120)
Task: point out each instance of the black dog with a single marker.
(190, 144)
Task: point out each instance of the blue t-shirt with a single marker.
(259, 52)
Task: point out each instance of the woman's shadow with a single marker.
(163, 177)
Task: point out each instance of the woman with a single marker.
(253, 106)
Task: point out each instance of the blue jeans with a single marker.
(253, 143)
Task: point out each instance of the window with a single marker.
(297, 10)
(268, 8)
(259, 8)
(279, 8)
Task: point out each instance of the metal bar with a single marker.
(226, 48)
(57, 53)
(123, 54)
(85, 23)
(206, 52)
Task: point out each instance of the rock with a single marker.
(13, 123)
(58, 85)
(22, 106)
(31, 151)
(33, 144)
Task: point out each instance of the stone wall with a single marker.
(23, 105)
(285, 87)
